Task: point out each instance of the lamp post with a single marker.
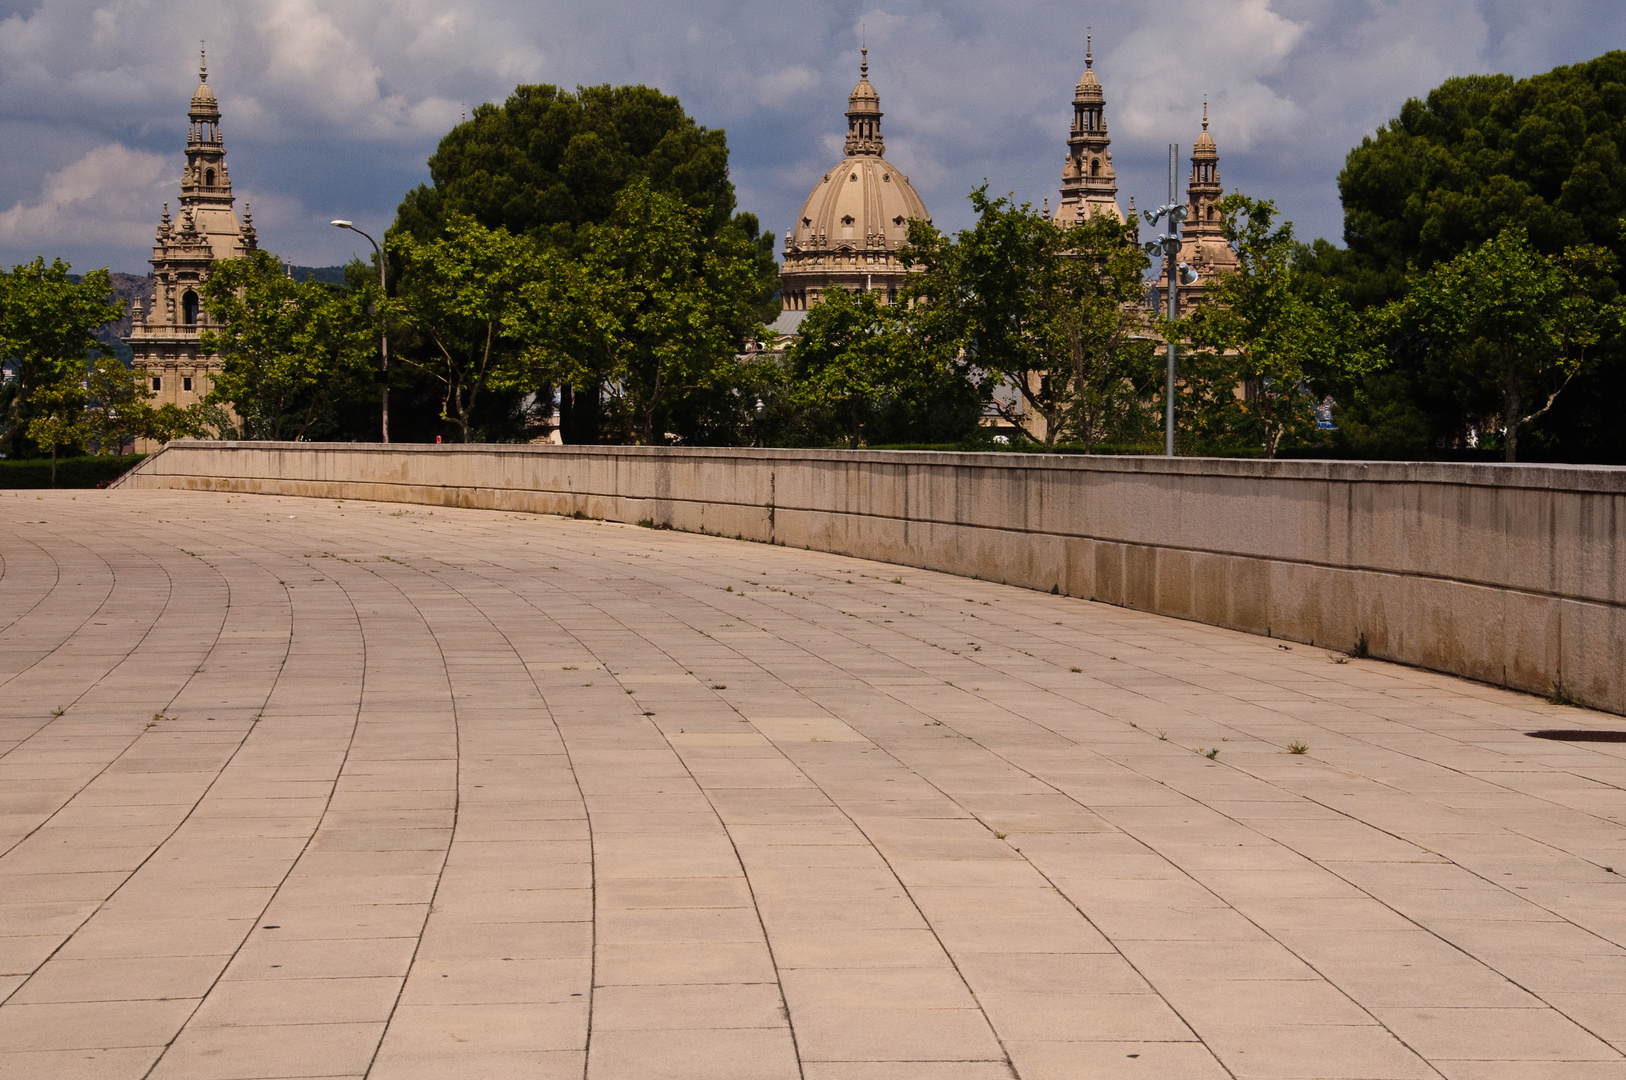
(1168, 245)
(383, 331)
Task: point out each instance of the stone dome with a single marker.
(861, 202)
(855, 218)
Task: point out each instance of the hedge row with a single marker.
(74, 472)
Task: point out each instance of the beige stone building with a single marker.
(855, 219)
(165, 339)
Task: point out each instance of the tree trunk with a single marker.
(53, 464)
(1510, 410)
(852, 407)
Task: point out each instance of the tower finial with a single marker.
(203, 61)
(863, 63)
(1089, 59)
(1205, 112)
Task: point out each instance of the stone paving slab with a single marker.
(297, 788)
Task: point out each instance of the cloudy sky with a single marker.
(332, 106)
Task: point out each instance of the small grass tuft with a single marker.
(1562, 696)
(897, 581)
(1000, 835)
(58, 711)
(646, 523)
(1077, 670)
(1212, 754)
(1055, 590)
(1297, 747)
(1360, 652)
(1162, 736)
(718, 686)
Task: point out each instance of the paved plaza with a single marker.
(295, 788)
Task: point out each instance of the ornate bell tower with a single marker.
(1089, 186)
(165, 340)
(1203, 244)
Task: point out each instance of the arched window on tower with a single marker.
(1095, 167)
(189, 308)
(208, 178)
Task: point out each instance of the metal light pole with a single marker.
(383, 330)
(1168, 245)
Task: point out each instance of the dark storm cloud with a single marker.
(332, 108)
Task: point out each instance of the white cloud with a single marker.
(1226, 50)
(108, 198)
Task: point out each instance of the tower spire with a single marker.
(203, 61)
(1089, 58)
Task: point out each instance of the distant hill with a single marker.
(333, 275)
(127, 287)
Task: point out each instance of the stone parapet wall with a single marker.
(1510, 574)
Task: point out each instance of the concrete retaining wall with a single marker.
(1511, 574)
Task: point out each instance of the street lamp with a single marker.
(1168, 245)
(383, 330)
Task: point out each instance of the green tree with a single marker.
(1259, 331)
(289, 349)
(548, 163)
(48, 325)
(467, 294)
(653, 312)
(1474, 157)
(1484, 153)
(1045, 310)
(1115, 375)
(58, 416)
(1512, 325)
(849, 353)
(118, 409)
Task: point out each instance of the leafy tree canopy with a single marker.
(1044, 310)
(1479, 155)
(464, 295)
(289, 349)
(1507, 328)
(48, 324)
(652, 311)
(547, 161)
(1288, 343)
